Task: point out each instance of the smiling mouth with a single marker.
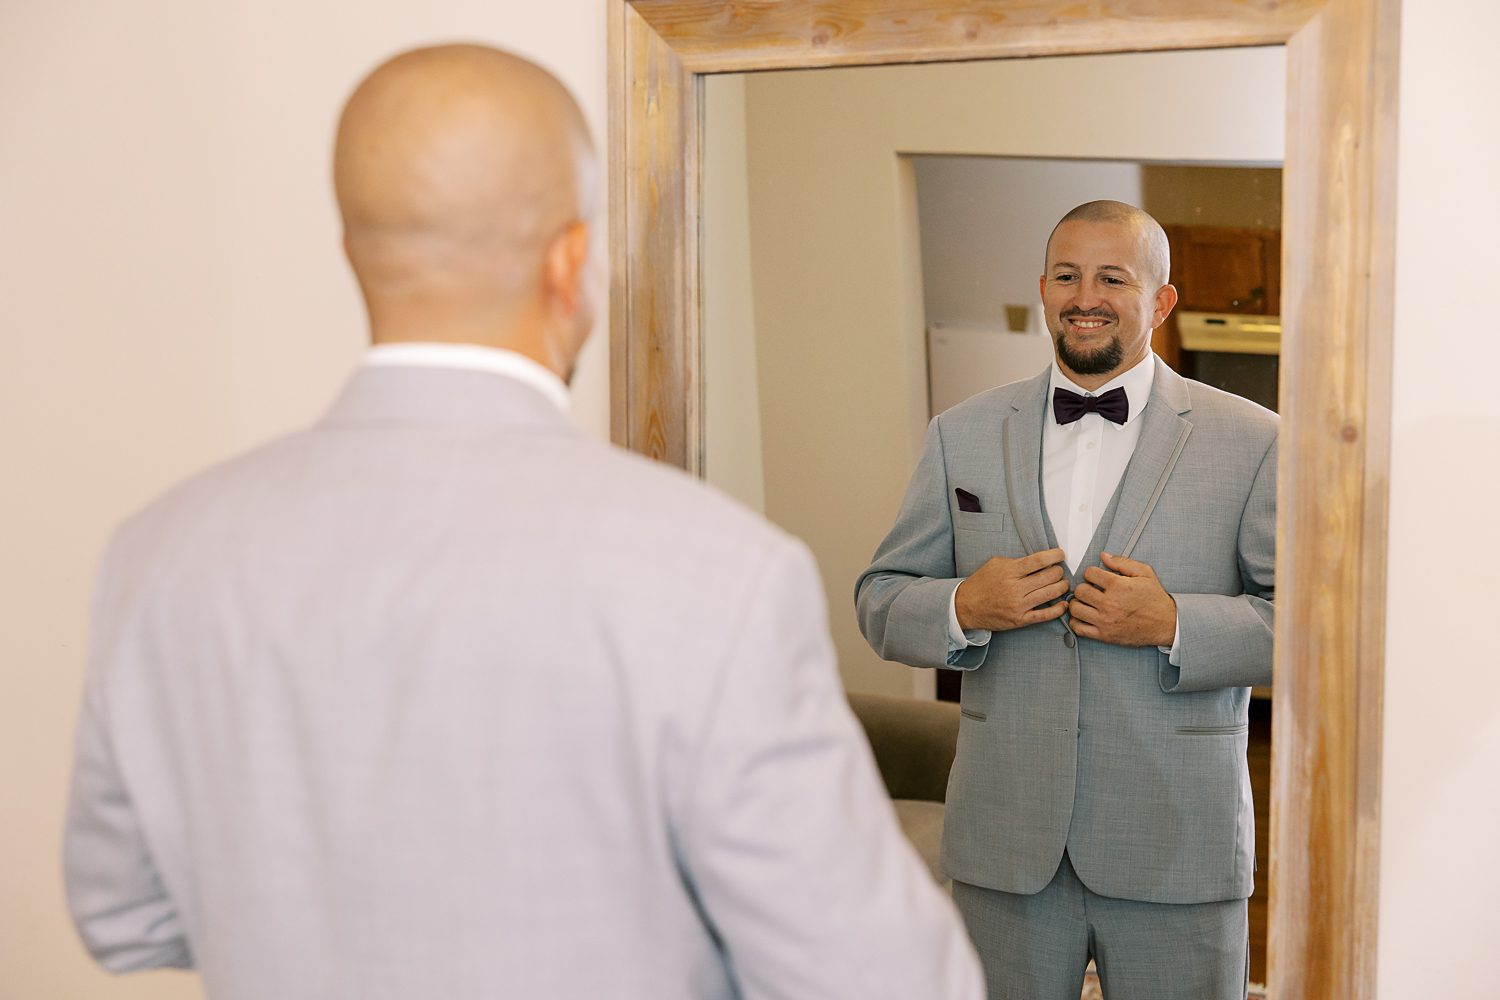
(1087, 324)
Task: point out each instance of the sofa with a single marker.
(914, 742)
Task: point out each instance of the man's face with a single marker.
(1102, 298)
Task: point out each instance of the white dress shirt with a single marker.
(1082, 465)
(473, 357)
(1083, 462)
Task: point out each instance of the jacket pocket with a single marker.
(976, 537)
(968, 520)
(1213, 730)
(969, 713)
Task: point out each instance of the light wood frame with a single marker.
(1338, 259)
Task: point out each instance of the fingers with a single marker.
(1047, 593)
(1039, 560)
(1047, 614)
(1008, 593)
(1089, 594)
(1045, 577)
(1083, 613)
(1126, 567)
(1099, 577)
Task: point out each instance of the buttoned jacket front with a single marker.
(1136, 767)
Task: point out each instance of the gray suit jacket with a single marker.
(1136, 767)
(442, 699)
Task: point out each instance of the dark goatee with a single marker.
(1099, 361)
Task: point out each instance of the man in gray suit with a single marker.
(441, 698)
(1095, 547)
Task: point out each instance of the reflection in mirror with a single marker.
(815, 315)
(871, 244)
(983, 220)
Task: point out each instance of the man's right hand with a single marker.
(1010, 593)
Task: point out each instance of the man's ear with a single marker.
(1166, 299)
(563, 266)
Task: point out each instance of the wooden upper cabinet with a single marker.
(1226, 269)
(1223, 269)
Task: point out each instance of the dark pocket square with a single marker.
(967, 501)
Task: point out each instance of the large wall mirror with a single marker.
(788, 289)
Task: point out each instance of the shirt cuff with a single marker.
(1174, 653)
(957, 637)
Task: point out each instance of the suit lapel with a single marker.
(1023, 462)
(1164, 432)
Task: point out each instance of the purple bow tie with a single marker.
(1068, 406)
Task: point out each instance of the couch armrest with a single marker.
(914, 742)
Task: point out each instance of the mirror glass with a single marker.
(871, 243)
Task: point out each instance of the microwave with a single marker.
(1234, 352)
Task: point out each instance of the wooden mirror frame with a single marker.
(1338, 258)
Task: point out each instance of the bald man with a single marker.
(441, 698)
(1095, 548)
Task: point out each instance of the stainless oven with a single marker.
(1234, 352)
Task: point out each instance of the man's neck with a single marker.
(473, 357)
(1093, 382)
(519, 338)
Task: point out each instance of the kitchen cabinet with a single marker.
(1226, 269)
(1223, 269)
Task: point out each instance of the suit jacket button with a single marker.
(1070, 640)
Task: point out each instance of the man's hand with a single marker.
(1009, 593)
(1123, 604)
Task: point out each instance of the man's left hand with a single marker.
(1123, 604)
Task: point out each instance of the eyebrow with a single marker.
(1103, 267)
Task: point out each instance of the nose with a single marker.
(1086, 296)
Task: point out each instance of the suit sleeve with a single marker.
(115, 894)
(788, 837)
(1227, 641)
(903, 599)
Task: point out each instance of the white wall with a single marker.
(1440, 813)
(838, 297)
(171, 290)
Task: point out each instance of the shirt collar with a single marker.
(1136, 381)
(472, 357)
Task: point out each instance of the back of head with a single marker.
(457, 169)
(1154, 246)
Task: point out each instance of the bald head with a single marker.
(1104, 290)
(465, 178)
(1155, 251)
